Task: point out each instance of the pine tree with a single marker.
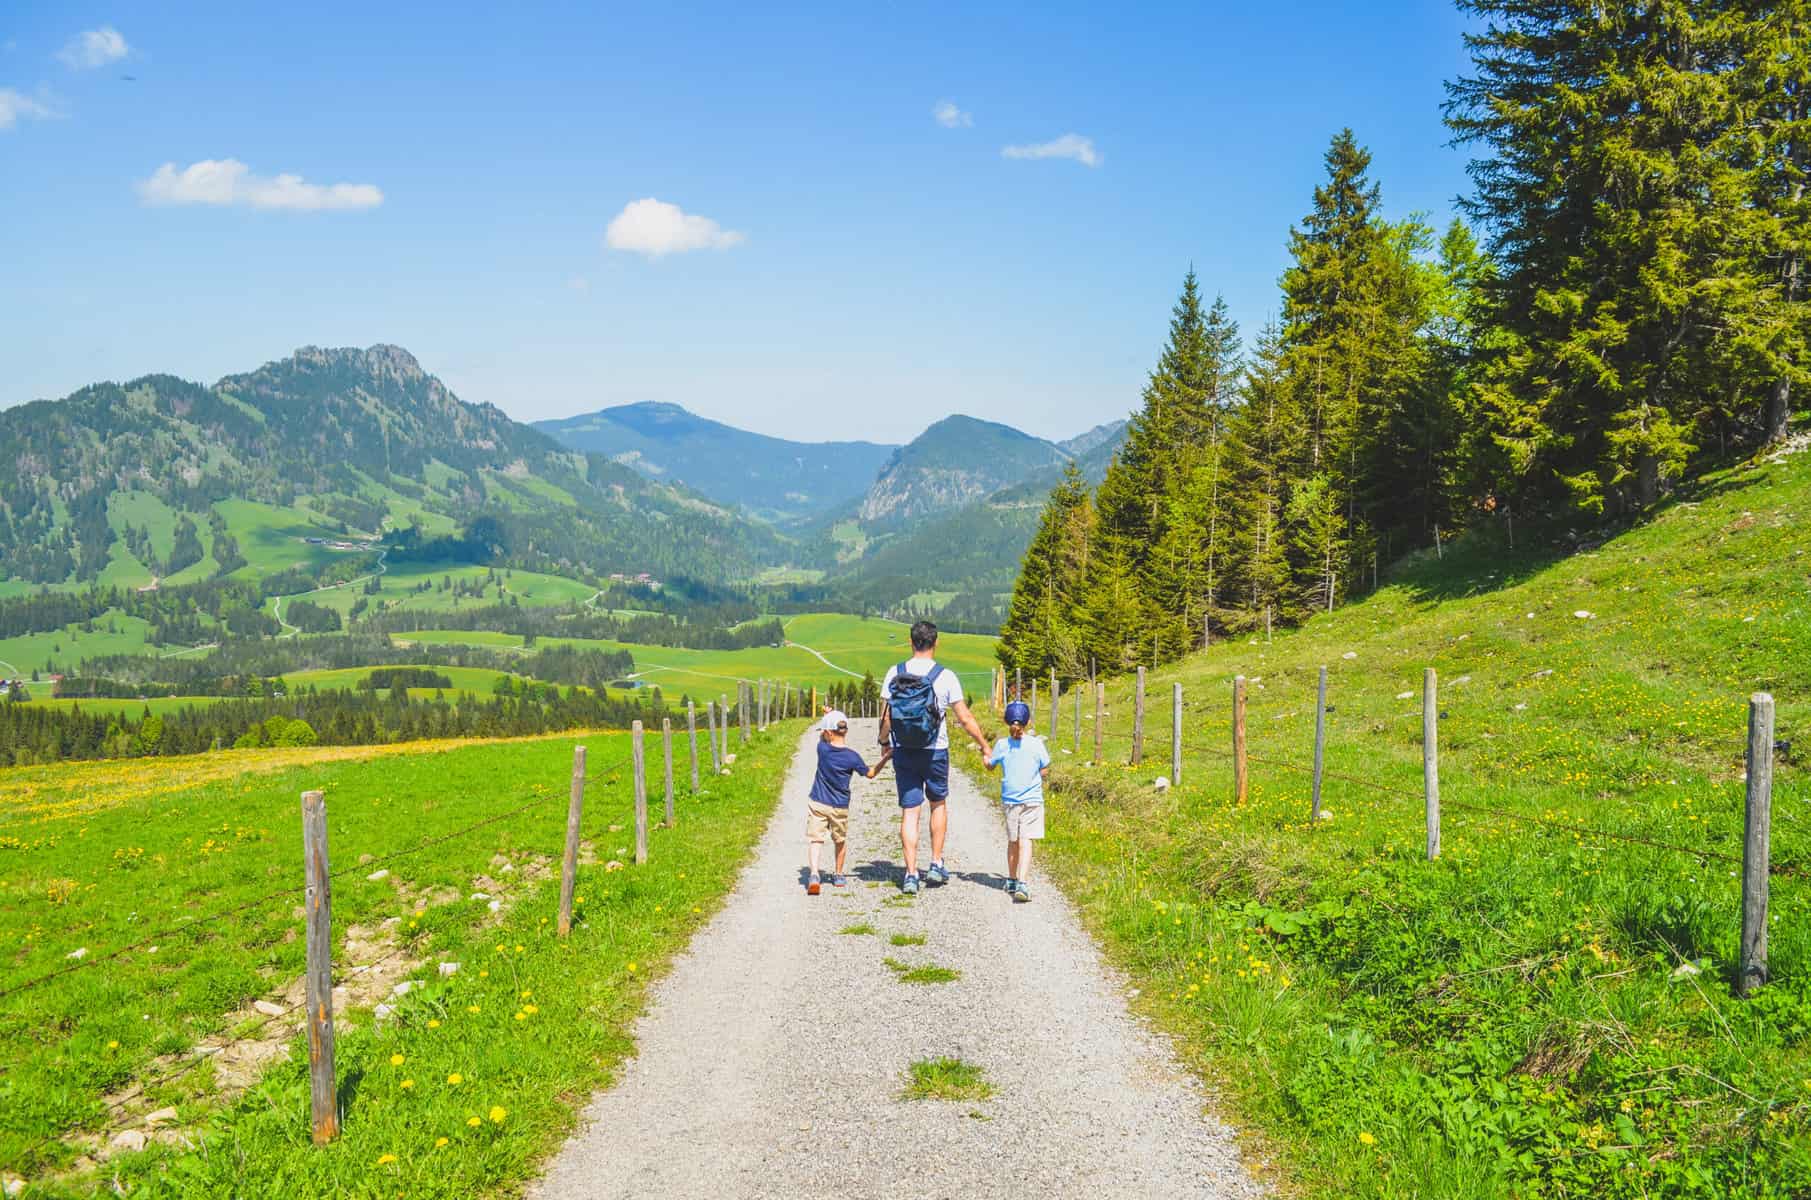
(1264, 444)
(1040, 631)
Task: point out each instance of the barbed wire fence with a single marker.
(758, 704)
(1754, 863)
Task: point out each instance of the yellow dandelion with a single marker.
(397, 1060)
(113, 1045)
(472, 1008)
(384, 1160)
(407, 1083)
(526, 993)
(433, 1023)
(497, 1113)
(1367, 1139)
(455, 1079)
(474, 1122)
(439, 1142)
(530, 1009)
(521, 1016)
(631, 968)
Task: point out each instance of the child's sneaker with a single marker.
(936, 875)
(839, 881)
(814, 885)
(910, 885)
(1021, 894)
(1012, 885)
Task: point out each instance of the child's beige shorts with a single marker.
(1024, 821)
(822, 819)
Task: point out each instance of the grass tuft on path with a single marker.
(907, 939)
(946, 1079)
(862, 930)
(906, 973)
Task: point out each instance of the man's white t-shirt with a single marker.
(947, 688)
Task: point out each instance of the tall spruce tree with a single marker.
(1042, 627)
(1634, 286)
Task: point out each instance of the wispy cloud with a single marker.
(951, 117)
(227, 181)
(17, 106)
(655, 228)
(94, 48)
(1070, 145)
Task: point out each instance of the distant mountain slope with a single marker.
(953, 463)
(774, 478)
(338, 439)
(1082, 445)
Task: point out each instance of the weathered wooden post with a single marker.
(1075, 744)
(710, 735)
(742, 696)
(641, 793)
(1175, 735)
(1320, 743)
(1034, 702)
(1056, 704)
(1138, 720)
(1100, 722)
(666, 745)
(691, 732)
(1207, 630)
(1430, 759)
(317, 915)
(1240, 777)
(723, 726)
(569, 866)
(1757, 830)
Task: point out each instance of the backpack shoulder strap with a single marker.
(930, 676)
(900, 671)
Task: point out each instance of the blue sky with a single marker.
(870, 268)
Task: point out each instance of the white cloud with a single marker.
(654, 227)
(14, 105)
(951, 117)
(228, 181)
(1070, 145)
(94, 48)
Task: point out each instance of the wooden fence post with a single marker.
(742, 707)
(1756, 837)
(1207, 630)
(1240, 776)
(641, 793)
(666, 742)
(710, 735)
(1320, 742)
(317, 909)
(1430, 758)
(1175, 735)
(569, 867)
(722, 726)
(1138, 721)
(1033, 704)
(691, 732)
(1100, 717)
(1075, 745)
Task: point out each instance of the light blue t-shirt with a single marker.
(1022, 759)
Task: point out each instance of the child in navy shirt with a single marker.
(828, 813)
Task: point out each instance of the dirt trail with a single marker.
(772, 1059)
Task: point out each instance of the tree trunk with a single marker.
(1779, 408)
(1647, 480)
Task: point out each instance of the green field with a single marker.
(465, 679)
(158, 705)
(1545, 1011)
(855, 644)
(68, 646)
(476, 1075)
(400, 584)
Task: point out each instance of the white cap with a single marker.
(833, 720)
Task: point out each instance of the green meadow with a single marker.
(176, 886)
(1547, 1009)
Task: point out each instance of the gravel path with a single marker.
(772, 1057)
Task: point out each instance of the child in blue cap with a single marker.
(1024, 761)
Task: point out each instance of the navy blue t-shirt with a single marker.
(834, 763)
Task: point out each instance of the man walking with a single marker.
(918, 697)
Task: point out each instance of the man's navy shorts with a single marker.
(921, 774)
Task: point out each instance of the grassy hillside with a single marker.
(1545, 1010)
(472, 1078)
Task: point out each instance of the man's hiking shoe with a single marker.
(813, 885)
(1012, 885)
(936, 875)
(839, 881)
(1021, 894)
(910, 885)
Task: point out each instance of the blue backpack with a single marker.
(913, 713)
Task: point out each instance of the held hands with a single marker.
(886, 753)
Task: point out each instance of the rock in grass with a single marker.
(80, 952)
(1405, 695)
(1162, 783)
(1584, 614)
(403, 988)
(127, 1139)
(1350, 654)
(448, 968)
(1687, 970)
(382, 1012)
(495, 906)
(268, 1007)
(377, 875)
(162, 1116)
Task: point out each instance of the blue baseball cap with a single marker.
(1018, 713)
